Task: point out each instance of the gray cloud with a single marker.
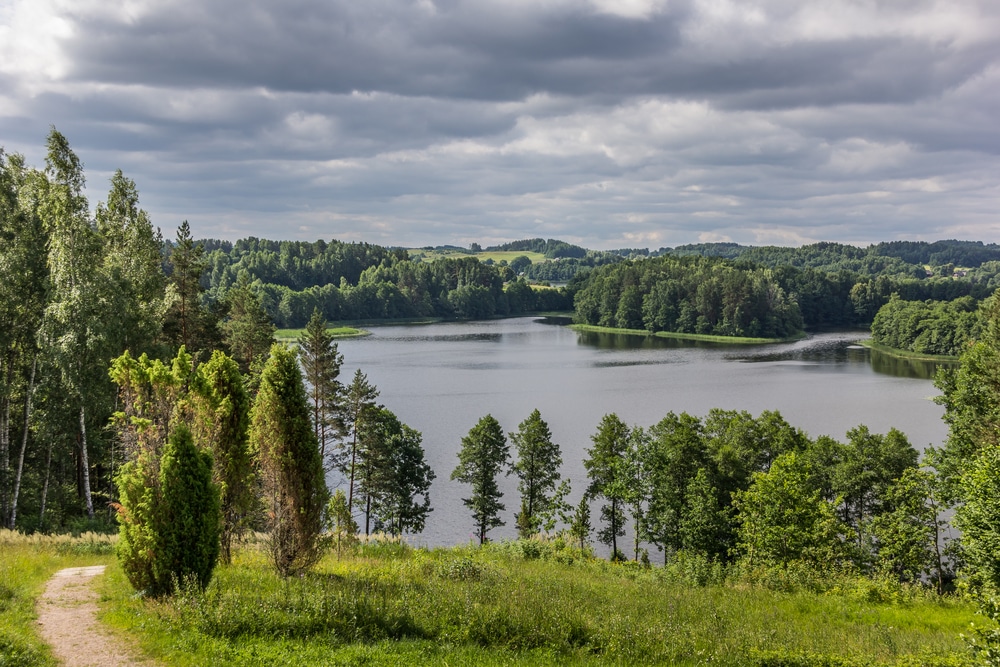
(451, 122)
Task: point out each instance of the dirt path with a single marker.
(67, 619)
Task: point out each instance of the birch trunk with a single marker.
(8, 372)
(45, 485)
(24, 442)
(85, 464)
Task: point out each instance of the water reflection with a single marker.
(888, 364)
(613, 341)
(835, 348)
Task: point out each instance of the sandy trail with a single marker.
(67, 619)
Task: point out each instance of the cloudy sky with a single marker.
(609, 123)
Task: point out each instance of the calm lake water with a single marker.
(441, 378)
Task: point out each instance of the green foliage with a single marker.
(608, 474)
(340, 521)
(359, 407)
(979, 518)
(907, 531)
(688, 295)
(870, 466)
(169, 518)
(247, 328)
(783, 519)
(321, 364)
(537, 471)
(221, 419)
(483, 455)
(292, 479)
(927, 327)
(393, 478)
(188, 322)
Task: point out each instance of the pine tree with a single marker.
(483, 455)
(359, 404)
(292, 478)
(187, 322)
(321, 366)
(247, 329)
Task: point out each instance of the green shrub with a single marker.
(170, 521)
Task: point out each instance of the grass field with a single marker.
(732, 340)
(336, 332)
(26, 563)
(527, 604)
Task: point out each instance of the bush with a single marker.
(169, 521)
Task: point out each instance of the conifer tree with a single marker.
(359, 404)
(247, 329)
(483, 455)
(292, 478)
(321, 366)
(168, 517)
(187, 321)
(221, 422)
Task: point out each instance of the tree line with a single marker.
(360, 281)
(730, 489)
(688, 295)
(927, 327)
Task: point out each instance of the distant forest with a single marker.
(828, 284)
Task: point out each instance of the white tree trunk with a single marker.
(24, 443)
(85, 464)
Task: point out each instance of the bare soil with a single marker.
(67, 619)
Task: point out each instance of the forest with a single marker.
(141, 389)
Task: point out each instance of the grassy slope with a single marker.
(736, 340)
(466, 606)
(26, 563)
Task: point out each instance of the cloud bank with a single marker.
(609, 123)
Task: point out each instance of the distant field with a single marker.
(336, 332)
(496, 256)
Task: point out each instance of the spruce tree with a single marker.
(292, 478)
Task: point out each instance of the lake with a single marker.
(441, 378)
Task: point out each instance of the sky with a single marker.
(606, 123)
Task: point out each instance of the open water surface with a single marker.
(441, 378)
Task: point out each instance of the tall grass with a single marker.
(523, 603)
(26, 562)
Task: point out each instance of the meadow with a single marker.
(534, 603)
